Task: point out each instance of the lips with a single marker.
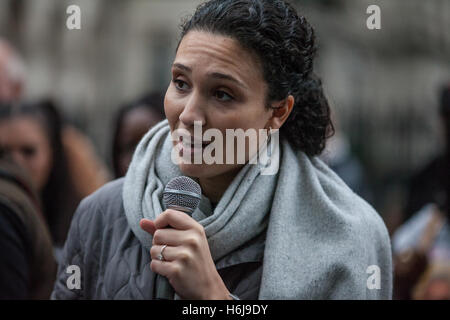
(195, 144)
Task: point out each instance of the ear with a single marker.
(280, 112)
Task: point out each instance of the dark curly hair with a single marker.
(285, 44)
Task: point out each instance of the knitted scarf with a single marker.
(322, 240)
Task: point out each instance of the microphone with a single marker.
(181, 194)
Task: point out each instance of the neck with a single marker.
(215, 187)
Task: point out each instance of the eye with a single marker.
(181, 85)
(28, 151)
(223, 96)
(4, 149)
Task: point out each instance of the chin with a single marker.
(194, 170)
(208, 171)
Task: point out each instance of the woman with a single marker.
(132, 122)
(31, 134)
(299, 233)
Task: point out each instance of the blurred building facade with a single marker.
(382, 84)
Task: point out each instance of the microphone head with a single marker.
(183, 194)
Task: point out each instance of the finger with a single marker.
(175, 219)
(165, 268)
(170, 237)
(148, 226)
(159, 267)
(169, 253)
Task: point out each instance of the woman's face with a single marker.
(217, 82)
(26, 141)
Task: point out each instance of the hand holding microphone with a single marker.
(187, 263)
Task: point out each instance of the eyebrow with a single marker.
(216, 75)
(182, 67)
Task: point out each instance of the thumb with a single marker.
(148, 226)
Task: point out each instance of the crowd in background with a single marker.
(48, 165)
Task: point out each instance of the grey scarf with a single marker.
(320, 237)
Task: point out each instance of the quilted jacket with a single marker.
(110, 262)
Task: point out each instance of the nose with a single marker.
(194, 110)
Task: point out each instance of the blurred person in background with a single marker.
(27, 265)
(421, 249)
(87, 170)
(339, 156)
(31, 135)
(429, 184)
(421, 245)
(132, 122)
(12, 73)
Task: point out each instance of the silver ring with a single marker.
(160, 255)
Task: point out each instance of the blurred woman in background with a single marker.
(133, 120)
(31, 134)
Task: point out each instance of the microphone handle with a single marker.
(164, 290)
